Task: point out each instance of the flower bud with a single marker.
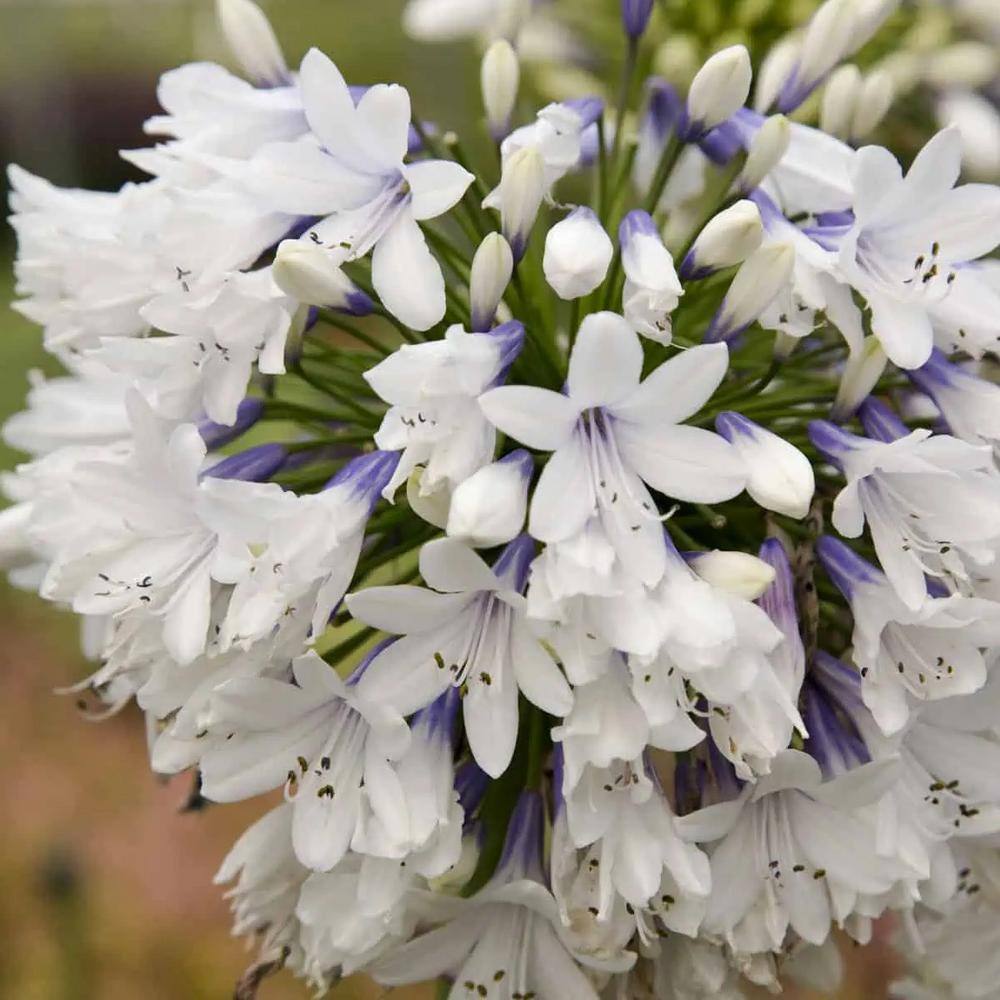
(780, 477)
(719, 89)
(306, 272)
(254, 465)
(492, 267)
(216, 435)
(827, 40)
(767, 148)
(777, 66)
(978, 122)
(968, 64)
(635, 17)
(652, 289)
(499, 76)
(727, 239)
(490, 506)
(577, 254)
(863, 370)
(877, 93)
(756, 285)
(522, 187)
(840, 101)
(252, 41)
(738, 573)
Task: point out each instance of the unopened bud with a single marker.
(635, 17)
(876, 97)
(490, 506)
(840, 101)
(577, 254)
(767, 149)
(727, 239)
(492, 267)
(306, 272)
(828, 39)
(254, 465)
(738, 573)
(757, 283)
(720, 88)
(500, 75)
(429, 503)
(780, 477)
(252, 41)
(965, 64)
(777, 66)
(522, 188)
(861, 373)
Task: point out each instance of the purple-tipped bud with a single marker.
(216, 435)
(471, 782)
(665, 112)
(845, 567)
(779, 599)
(255, 465)
(490, 506)
(880, 423)
(367, 475)
(834, 742)
(635, 17)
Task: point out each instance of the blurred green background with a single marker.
(105, 886)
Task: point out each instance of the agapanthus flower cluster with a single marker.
(591, 529)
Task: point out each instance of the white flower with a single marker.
(434, 416)
(299, 558)
(910, 239)
(268, 880)
(577, 254)
(448, 20)
(791, 853)
(932, 502)
(642, 857)
(324, 740)
(903, 654)
(470, 632)
(652, 289)
(148, 534)
(610, 433)
(506, 937)
(351, 169)
(781, 478)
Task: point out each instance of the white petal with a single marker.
(606, 362)
(563, 500)
(448, 565)
(686, 463)
(678, 389)
(406, 276)
(383, 115)
(404, 610)
(539, 418)
(539, 678)
(437, 186)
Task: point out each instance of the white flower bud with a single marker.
(780, 476)
(978, 122)
(492, 267)
(499, 76)
(777, 67)
(577, 254)
(757, 283)
(965, 64)
(876, 98)
(306, 272)
(738, 573)
(720, 88)
(767, 148)
(828, 39)
(861, 373)
(252, 41)
(840, 101)
(522, 188)
(490, 506)
(727, 239)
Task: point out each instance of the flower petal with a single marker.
(539, 418)
(406, 276)
(606, 362)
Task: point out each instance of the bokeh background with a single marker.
(105, 881)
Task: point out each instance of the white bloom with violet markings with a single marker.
(468, 631)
